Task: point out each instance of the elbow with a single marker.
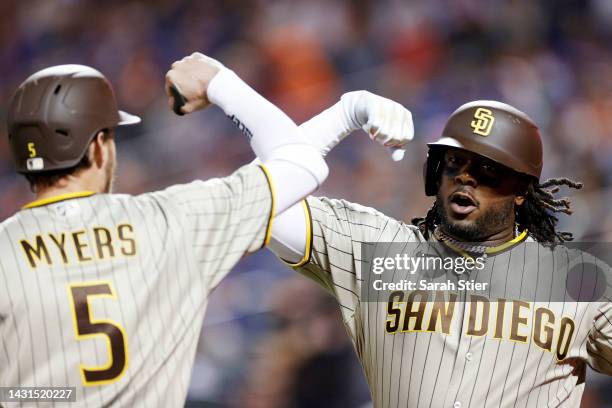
(318, 167)
(305, 156)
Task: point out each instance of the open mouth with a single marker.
(462, 203)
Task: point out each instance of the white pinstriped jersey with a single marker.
(531, 348)
(107, 292)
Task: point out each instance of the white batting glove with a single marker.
(384, 120)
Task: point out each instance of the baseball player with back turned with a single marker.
(523, 342)
(106, 292)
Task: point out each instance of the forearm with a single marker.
(266, 126)
(295, 167)
(329, 127)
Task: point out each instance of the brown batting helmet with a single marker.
(491, 129)
(56, 113)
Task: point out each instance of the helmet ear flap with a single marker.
(431, 171)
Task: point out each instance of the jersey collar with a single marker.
(507, 245)
(58, 198)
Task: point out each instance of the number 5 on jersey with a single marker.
(85, 327)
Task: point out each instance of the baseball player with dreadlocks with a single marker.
(106, 292)
(521, 340)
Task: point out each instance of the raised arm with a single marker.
(384, 120)
(296, 168)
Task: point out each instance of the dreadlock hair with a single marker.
(537, 214)
(429, 221)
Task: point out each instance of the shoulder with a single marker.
(341, 206)
(119, 203)
(246, 178)
(10, 223)
(360, 217)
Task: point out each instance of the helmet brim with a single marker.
(447, 142)
(485, 150)
(127, 119)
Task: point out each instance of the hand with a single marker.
(191, 76)
(386, 122)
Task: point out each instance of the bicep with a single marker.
(338, 231)
(309, 232)
(243, 215)
(225, 217)
(292, 234)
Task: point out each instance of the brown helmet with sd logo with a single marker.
(491, 129)
(56, 112)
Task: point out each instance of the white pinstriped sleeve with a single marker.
(223, 218)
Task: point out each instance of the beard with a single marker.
(491, 221)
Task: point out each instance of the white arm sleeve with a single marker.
(289, 234)
(290, 183)
(325, 131)
(295, 167)
(384, 120)
(329, 127)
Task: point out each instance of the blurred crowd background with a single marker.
(270, 337)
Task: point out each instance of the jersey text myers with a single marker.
(71, 247)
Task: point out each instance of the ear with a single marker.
(519, 200)
(96, 150)
(522, 192)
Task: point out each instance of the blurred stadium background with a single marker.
(270, 337)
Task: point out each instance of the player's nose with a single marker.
(465, 177)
